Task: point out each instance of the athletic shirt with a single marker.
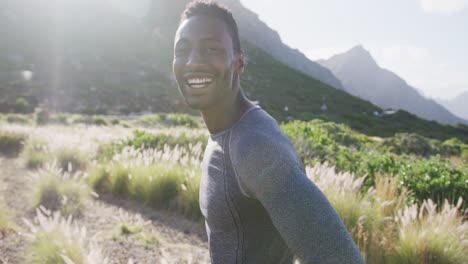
(260, 207)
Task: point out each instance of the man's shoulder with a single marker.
(257, 129)
(258, 135)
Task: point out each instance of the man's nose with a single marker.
(195, 57)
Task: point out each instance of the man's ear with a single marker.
(240, 62)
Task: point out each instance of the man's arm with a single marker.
(270, 171)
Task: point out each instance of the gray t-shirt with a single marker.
(258, 203)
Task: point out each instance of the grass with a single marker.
(58, 240)
(5, 220)
(134, 227)
(428, 235)
(60, 191)
(71, 159)
(386, 228)
(36, 153)
(162, 179)
(11, 143)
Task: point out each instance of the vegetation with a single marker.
(18, 119)
(168, 120)
(156, 178)
(59, 191)
(5, 222)
(11, 143)
(36, 153)
(133, 226)
(387, 230)
(413, 159)
(58, 240)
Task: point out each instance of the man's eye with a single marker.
(212, 50)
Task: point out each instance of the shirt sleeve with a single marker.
(270, 171)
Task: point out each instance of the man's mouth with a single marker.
(199, 82)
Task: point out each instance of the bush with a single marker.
(18, 119)
(143, 139)
(168, 120)
(11, 143)
(405, 143)
(36, 153)
(59, 191)
(22, 106)
(41, 116)
(146, 140)
(435, 179)
(71, 159)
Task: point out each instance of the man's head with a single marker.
(208, 58)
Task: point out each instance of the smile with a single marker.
(198, 83)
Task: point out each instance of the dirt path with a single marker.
(181, 240)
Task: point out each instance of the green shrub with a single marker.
(18, 119)
(435, 179)
(22, 106)
(168, 120)
(405, 143)
(181, 120)
(11, 143)
(98, 121)
(143, 139)
(60, 118)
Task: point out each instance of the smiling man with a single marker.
(259, 206)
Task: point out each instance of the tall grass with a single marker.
(428, 235)
(386, 228)
(165, 178)
(36, 153)
(133, 226)
(60, 191)
(58, 240)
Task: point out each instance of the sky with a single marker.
(423, 41)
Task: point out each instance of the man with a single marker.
(257, 201)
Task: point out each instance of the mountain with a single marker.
(457, 105)
(363, 77)
(86, 57)
(257, 32)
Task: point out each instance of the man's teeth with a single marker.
(195, 82)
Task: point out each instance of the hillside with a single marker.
(363, 77)
(95, 60)
(457, 105)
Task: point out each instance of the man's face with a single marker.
(205, 64)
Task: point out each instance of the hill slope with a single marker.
(361, 76)
(457, 105)
(93, 59)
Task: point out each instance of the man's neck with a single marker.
(227, 114)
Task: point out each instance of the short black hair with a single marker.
(213, 9)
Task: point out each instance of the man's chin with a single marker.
(196, 105)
